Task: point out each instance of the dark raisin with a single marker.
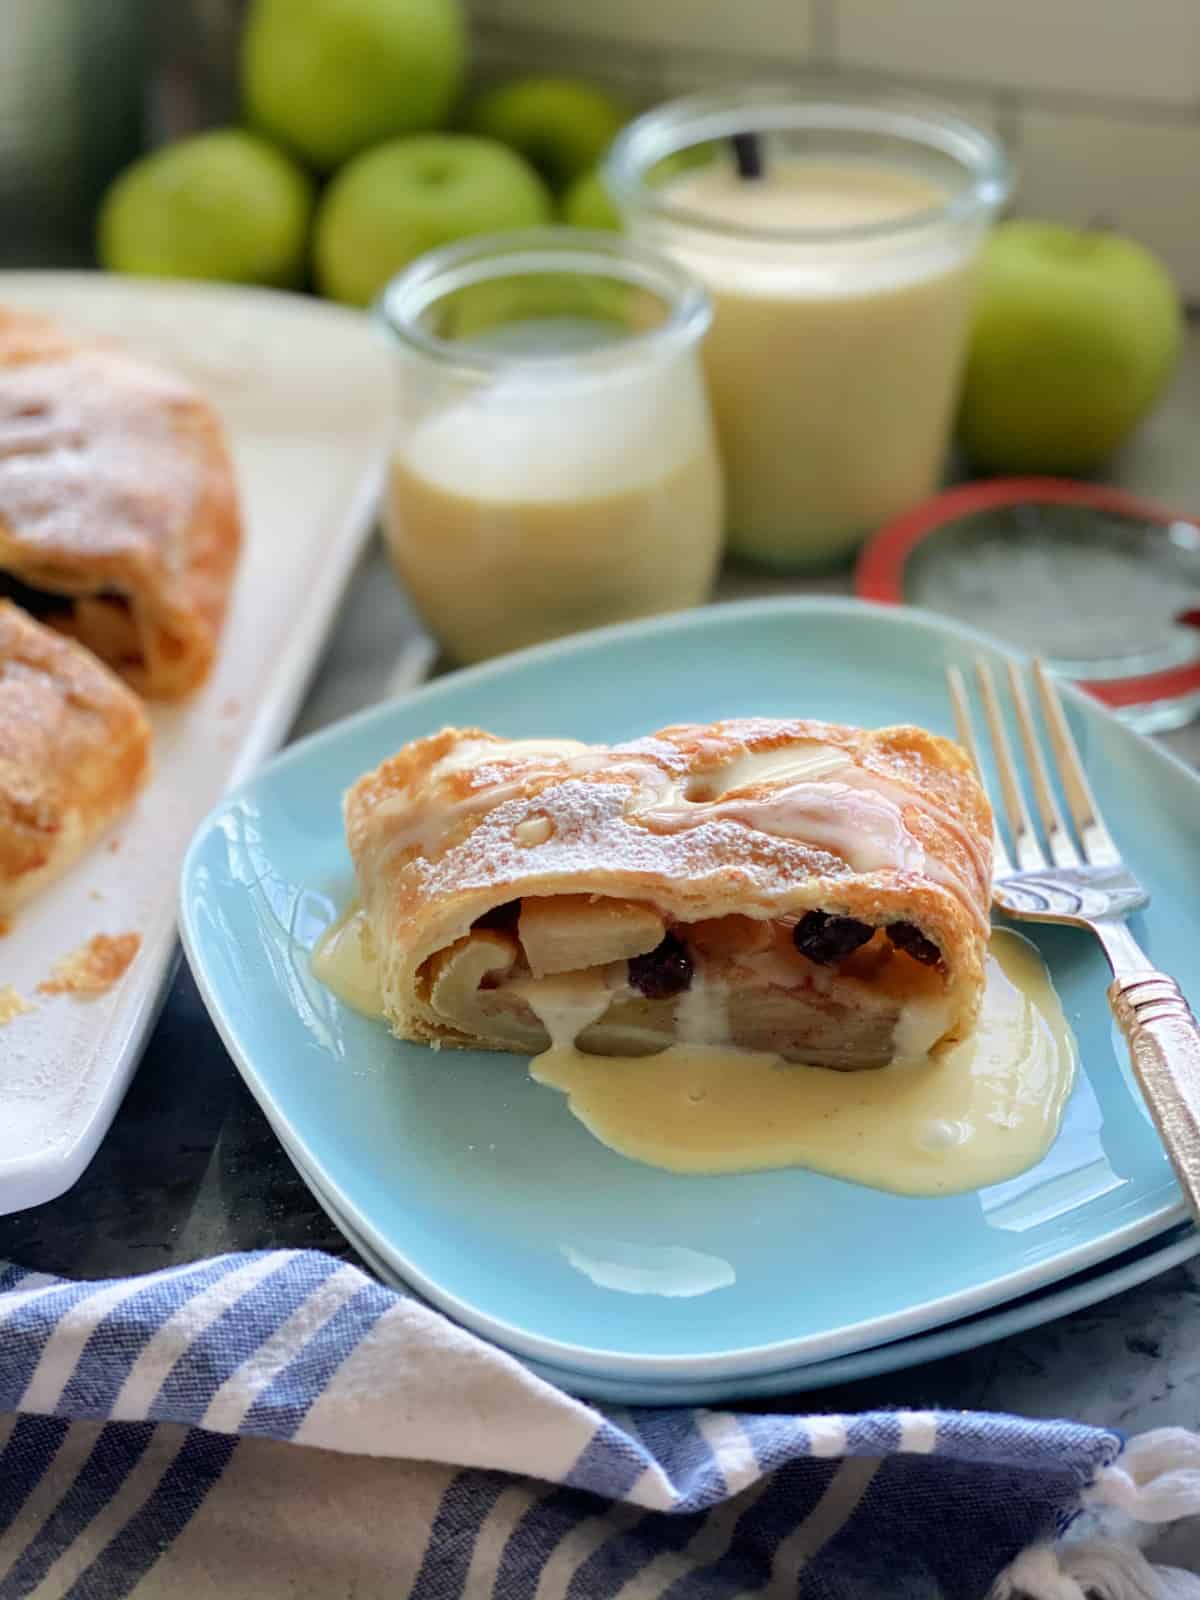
(914, 943)
(825, 939)
(503, 918)
(37, 602)
(663, 971)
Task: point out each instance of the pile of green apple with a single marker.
(344, 172)
(358, 155)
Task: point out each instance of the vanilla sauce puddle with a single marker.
(983, 1111)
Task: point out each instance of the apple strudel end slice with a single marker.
(807, 888)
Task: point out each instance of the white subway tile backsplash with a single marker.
(681, 74)
(688, 73)
(1137, 49)
(1140, 176)
(779, 29)
(501, 52)
(1099, 98)
(964, 100)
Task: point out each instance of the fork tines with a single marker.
(1094, 840)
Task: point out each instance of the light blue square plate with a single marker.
(478, 1187)
(1074, 1293)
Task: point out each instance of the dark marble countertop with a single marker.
(190, 1167)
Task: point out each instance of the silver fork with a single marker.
(1085, 884)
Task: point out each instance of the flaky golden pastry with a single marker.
(94, 967)
(12, 1004)
(74, 750)
(118, 512)
(803, 887)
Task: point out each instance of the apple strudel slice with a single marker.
(74, 751)
(119, 522)
(806, 888)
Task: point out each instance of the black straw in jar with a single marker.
(747, 153)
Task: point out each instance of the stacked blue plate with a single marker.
(460, 1177)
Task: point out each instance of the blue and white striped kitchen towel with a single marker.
(277, 1424)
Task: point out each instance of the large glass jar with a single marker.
(837, 238)
(555, 465)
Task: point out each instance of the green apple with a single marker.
(393, 203)
(224, 204)
(327, 78)
(588, 204)
(1076, 334)
(560, 125)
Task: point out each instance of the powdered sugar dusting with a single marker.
(89, 455)
(656, 810)
(595, 825)
(670, 756)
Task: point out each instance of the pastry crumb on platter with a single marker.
(94, 967)
(12, 1004)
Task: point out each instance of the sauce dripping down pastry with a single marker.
(975, 1114)
(701, 936)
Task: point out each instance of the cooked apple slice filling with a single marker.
(464, 981)
(103, 621)
(620, 978)
(567, 932)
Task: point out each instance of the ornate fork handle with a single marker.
(1080, 879)
(1164, 1046)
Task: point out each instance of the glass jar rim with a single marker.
(701, 118)
(553, 248)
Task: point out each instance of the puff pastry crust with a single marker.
(74, 750)
(119, 520)
(804, 887)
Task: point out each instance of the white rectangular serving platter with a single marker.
(304, 391)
